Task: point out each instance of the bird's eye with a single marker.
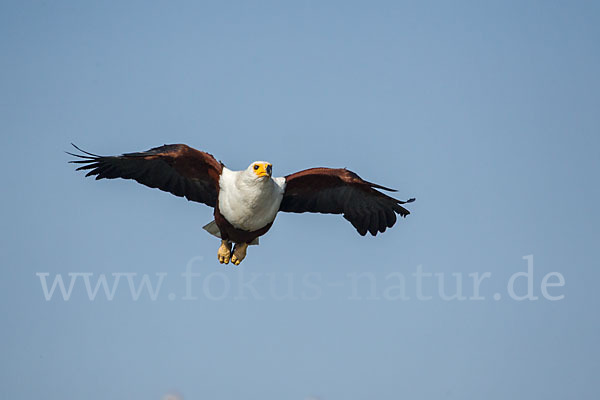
(255, 167)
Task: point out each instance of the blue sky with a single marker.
(486, 112)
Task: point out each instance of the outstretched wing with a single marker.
(174, 168)
(339, 191)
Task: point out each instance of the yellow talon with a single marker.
(224, 252)
(239, 253)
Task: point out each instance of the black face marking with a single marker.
(269, 169)
(255, 167)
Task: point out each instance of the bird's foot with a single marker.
(224, 252)
(239, 253)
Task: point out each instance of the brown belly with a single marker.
(233, 234)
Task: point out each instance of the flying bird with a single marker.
(246, 202)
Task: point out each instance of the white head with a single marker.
(260, 170)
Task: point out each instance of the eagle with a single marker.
(246, 202)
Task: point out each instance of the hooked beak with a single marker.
(264, 170)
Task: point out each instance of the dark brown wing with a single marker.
(339, 191)
(174, 168)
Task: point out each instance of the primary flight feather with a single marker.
(247, 202)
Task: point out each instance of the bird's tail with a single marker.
(214, 230)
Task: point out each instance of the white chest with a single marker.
(248, 204)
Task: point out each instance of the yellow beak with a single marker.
(263, 169)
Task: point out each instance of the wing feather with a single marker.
(340, 191)
(175, 168)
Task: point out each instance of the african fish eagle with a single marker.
(247, 202)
